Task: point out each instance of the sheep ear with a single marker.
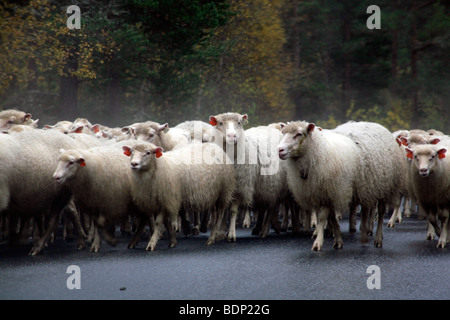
(409, 153)
(126, 151)
(82, 162)
(79, 129)
(213, 120)
(244, 119)
(441, 153)
(310, 127)
(164, 127)
(158, 152)
(435, 141)
(27, 117)
(95, 128)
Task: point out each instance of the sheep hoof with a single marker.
(231, 239)
(338, 245)
(195, 231)
(209, 242)
(378, 244)
(316, 247)
(150, 247)
(34, 251)
(441, 244)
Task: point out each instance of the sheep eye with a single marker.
(239, 123)
(71, 162)
(297, 135)
(221, 123)
(432, 157)
(148, 153)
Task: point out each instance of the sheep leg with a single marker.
(430, 231)
(171, 230)
(197, 221)
(232, 228)
(363, 224)
(285, 214)
(73, 214)
(53, 220)
(334, 223)
(95, 247)
(352, 218)
(215, 233)
(204, 222)
(407, 206)
(247, 219)
(378, 242)
(443, 216)
(137, 235)
(432, 216)
(267, 218)
(295, 218)
(321, 221)
(155, 235)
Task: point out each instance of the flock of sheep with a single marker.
(198, 176)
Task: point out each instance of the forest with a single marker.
(276, 60)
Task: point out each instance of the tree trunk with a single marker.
(68, 87)
(113, 95)
(413, 64)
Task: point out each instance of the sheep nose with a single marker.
(280, 150)
(231, 135)
(423, 170)
(134, 164)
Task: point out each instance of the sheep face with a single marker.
(9, 118)
(69, 162)
(426, 157)
(294, 134)
(230, 125)
(142, 155)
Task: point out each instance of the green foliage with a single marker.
(276, 60)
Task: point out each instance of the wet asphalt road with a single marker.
(279, 267)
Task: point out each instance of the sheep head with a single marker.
(294, 134)
(142, 154)
(426, 157)
(230, 125)
(69, 162)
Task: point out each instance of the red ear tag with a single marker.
(213, 121)
(82, 163)
(435, 141)
(127, 153)
(158, 154)
(398, 141)
(410, 155)
(441, 155)
(404, 141)
(96, 130)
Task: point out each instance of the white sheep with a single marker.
(27, 189)
(159, 134)
(11, 117)
(322, 171)
(259, 175)
(430, 177)
(382, 180)
(99, 180)
(198, 130)
(196, 177)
